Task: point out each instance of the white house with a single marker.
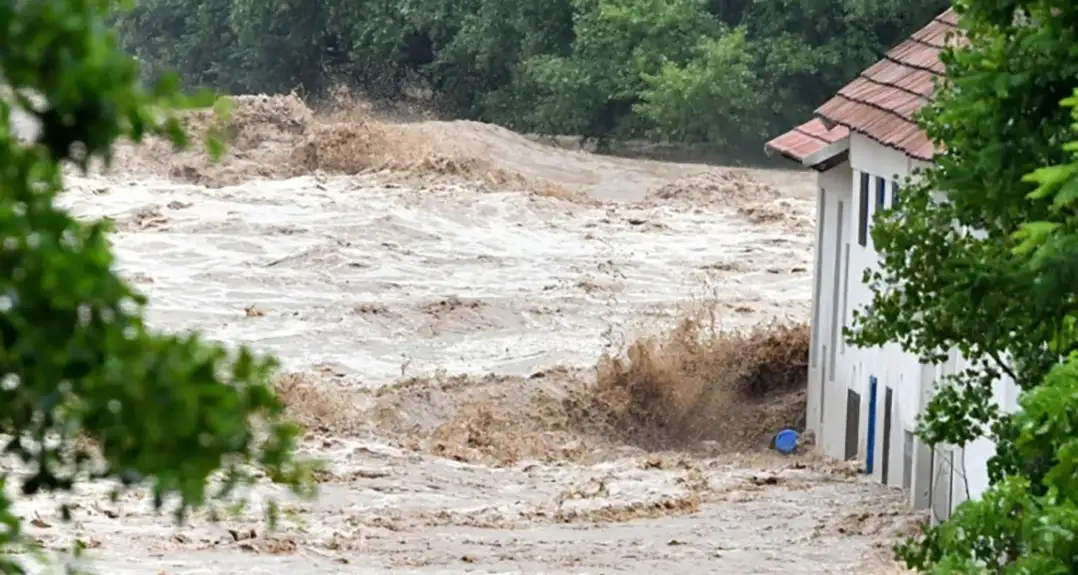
(863, 403)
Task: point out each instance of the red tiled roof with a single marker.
(807, 139)
(880, 103)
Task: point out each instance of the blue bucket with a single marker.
(786, 441)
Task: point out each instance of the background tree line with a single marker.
(728, 73)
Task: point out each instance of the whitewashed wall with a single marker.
(894, 369)
(835, 367)
(827, 386)
(911, 383)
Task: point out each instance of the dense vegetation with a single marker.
(723, 72)
(1005, 295)
(79, 366)
(86, 389)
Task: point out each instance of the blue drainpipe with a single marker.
(871, 425)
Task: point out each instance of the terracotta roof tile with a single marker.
(915, 81)
(807, 139)
(880, 124)
(881, 102)
(934, 34)
(886, 98)
(916, 56)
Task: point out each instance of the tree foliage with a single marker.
(87, 390)
(723, 72)
(980, 257)
(1022, 524)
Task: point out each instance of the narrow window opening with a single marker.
(862, 221)
(894, 193)
(888, 410)
(881, 193)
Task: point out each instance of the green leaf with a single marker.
(164, 411)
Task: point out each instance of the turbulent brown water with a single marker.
(442, 296)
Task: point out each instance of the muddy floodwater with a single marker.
(440, 294)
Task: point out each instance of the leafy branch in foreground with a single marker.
(86, 389)
(981, 257)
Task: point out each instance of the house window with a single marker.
(894, 193)
(881, 193)
(862, 221)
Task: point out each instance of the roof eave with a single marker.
(771, 151)
(831, 162)
(827, 153)
(820, 161)
(821, 156)
(827, 122)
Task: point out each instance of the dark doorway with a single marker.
(853, 422)
(888, 406)
(907, 460)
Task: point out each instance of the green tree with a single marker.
(323, 41)
(722, 72)
(78, 366)
(617, 43)
(808, 49)
(951, 277)
(1027, 521)
(473, 63)
(715, 98)
(196, 42)
(1019, 525)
